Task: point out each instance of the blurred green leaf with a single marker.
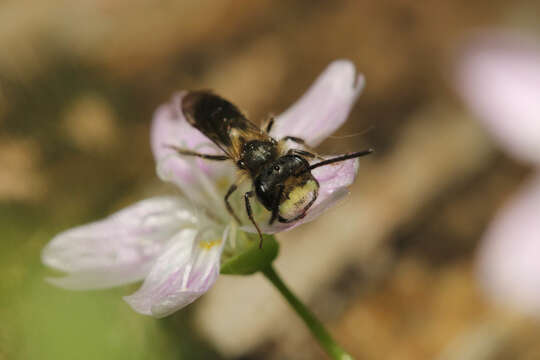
(253, 258)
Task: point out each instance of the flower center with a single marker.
(207, 245)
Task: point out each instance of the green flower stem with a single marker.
(315, 326)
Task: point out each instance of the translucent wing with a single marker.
(220, 121)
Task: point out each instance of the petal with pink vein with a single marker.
(185, 271)
(119, 249)
(324, 107)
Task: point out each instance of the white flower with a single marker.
(175, 244)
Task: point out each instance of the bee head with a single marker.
(287, 183)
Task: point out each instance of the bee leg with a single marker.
(275, 206)
(228, 205)
(302, 142)
(294, 139)
(193, 153)
(250, 215)
(286, 221)
(301, 152)
(269, 123)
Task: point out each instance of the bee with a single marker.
(281, 178)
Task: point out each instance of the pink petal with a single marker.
(169, 127)
(499, 78)
(324, 107)
(333, 180)
(119, 249)
(185, 271)
(508, 259)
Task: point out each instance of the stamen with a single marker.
(207, 245)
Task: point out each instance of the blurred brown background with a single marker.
(391, 271)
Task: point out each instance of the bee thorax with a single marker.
(256, 153)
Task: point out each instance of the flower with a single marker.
(176, 244)
(499, 78)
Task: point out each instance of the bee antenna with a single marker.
(341, 158)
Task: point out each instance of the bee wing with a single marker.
(220, 121)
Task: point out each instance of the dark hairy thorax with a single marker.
(257, 153)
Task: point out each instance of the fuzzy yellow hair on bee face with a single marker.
(298, 199)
